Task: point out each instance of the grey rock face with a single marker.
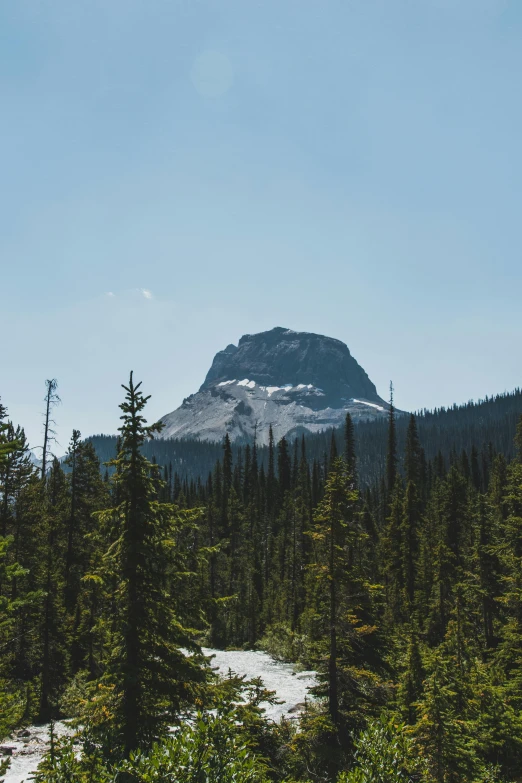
(295, 381)
(283, 357)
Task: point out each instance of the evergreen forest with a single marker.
(387, 557)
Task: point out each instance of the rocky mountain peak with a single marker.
(282, 357)
(294, 381)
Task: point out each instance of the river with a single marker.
(291, 688)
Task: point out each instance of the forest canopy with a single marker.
(386, 557)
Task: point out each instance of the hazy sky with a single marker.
(176, 173)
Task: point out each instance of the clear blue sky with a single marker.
(176, 173)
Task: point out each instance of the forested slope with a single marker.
(486, 426)
(401, 590)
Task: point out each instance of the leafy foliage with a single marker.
(384, 753)
(211, 748)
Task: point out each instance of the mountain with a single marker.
(36, 461)
(297, 382)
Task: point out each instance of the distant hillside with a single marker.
(488, 425)
(189, 458)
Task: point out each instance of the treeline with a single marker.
(404, 593)
(189, 459)
(486, 426)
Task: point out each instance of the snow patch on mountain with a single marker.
(371, 404)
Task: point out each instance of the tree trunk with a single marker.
(333, 705)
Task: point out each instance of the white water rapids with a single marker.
(291, 688)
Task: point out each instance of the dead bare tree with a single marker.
(51, 399)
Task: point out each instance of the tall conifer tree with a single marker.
(150, 673)
(349, 446)
(391, 458)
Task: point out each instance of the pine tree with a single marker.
(253, 577)
(284, 468)
(4, 447)
(227, 483)
(72, 458)
(349, 447)
(332, 521)
(271, 477)
(411, 682)
(333, 449)
(54, 651)
(443, 734)
(10, 701)
(15, 471)
(509, 551)
(392, 555)
(391, 458)
(476, 474)
(11, 695)
(409, 542)
(413, 455)
(302, 518)
(518, 440)
(87, 494)
(151, 675)
(488, 568)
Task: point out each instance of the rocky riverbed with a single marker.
(291, 687)
(28, 746)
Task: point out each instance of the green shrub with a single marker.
(210, 749)
(383, 754)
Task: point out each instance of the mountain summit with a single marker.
(294, 381)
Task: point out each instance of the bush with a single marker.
(383, 754)
(210, 749)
